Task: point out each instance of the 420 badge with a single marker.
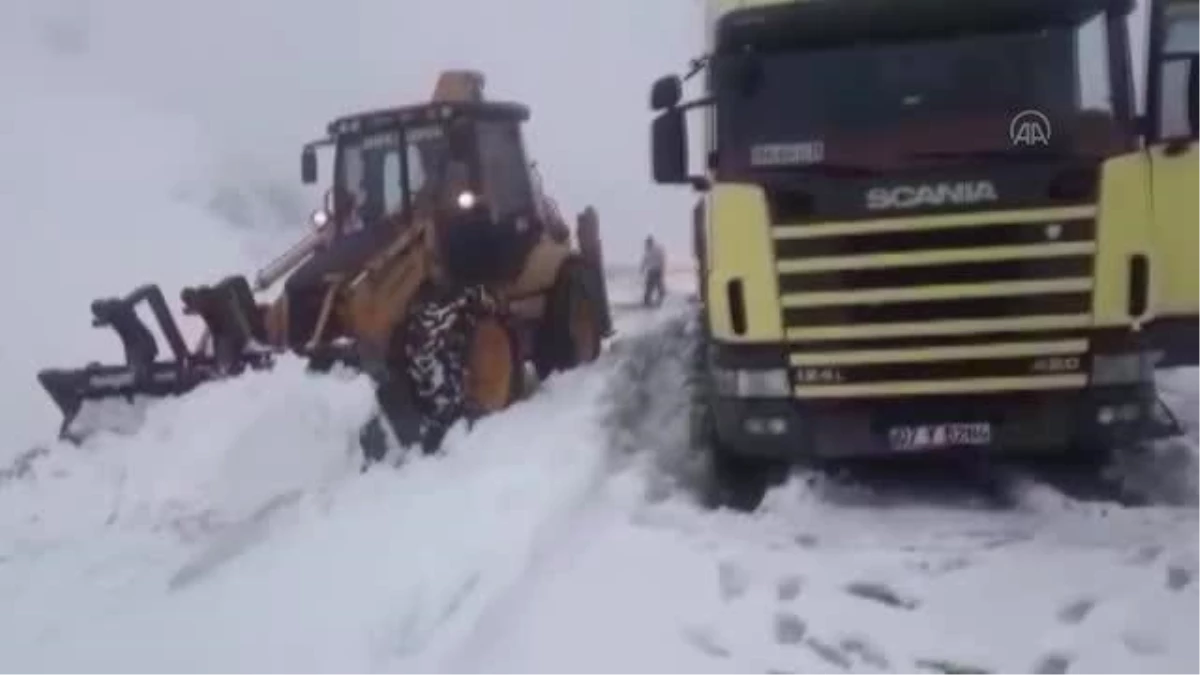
(933, 436)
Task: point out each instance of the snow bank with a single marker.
(389, 570)
(198, 462)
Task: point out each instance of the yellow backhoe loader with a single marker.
(438, 265)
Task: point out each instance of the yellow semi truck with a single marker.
(935, 226)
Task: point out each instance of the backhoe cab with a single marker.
(456, 165)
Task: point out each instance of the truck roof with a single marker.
(735, 22)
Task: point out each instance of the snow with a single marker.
(775, 592)
(159, 535)
(546, 540)
(823, 578)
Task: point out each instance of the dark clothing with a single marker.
(655, 288)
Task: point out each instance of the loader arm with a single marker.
(378, 298)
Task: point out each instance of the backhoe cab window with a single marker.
(380, 174)
(426, 151)
(887, 100)
(504, 171)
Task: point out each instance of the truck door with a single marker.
(1171, 145)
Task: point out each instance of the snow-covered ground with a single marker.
(805, 587)
(235, 532)
(561, 536)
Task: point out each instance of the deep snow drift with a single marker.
(260, 547)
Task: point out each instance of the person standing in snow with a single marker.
(653, 265)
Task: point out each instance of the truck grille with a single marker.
(946, 304)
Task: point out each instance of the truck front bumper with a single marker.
(1026, 423)
(755, 413)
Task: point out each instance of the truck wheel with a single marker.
(739, 483)
(571, 329)
(732, 481)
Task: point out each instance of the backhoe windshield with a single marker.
(890, 103)
(380, 174)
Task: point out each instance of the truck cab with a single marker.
(928, 226)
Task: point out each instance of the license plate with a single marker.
(932, 436)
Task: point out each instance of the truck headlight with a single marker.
(1130, 368)
(752, 383)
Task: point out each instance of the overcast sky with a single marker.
(263, 76)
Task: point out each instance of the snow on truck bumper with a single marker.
(757, 413)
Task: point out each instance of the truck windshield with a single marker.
(884, 104)
(379, 174)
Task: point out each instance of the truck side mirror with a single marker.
(669, 147)
(666, 92)
(308, 165)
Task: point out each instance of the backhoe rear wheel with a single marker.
(571, 330)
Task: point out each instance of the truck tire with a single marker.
(571, 329)
(732, 481)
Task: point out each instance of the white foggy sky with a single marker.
(266, 75)
(263, 76)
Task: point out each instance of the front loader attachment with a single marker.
(233, 329)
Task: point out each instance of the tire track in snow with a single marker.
(565, 533)
(964, 537)
(644, 337)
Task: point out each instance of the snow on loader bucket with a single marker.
(439, 266)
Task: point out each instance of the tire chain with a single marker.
(436, 344)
